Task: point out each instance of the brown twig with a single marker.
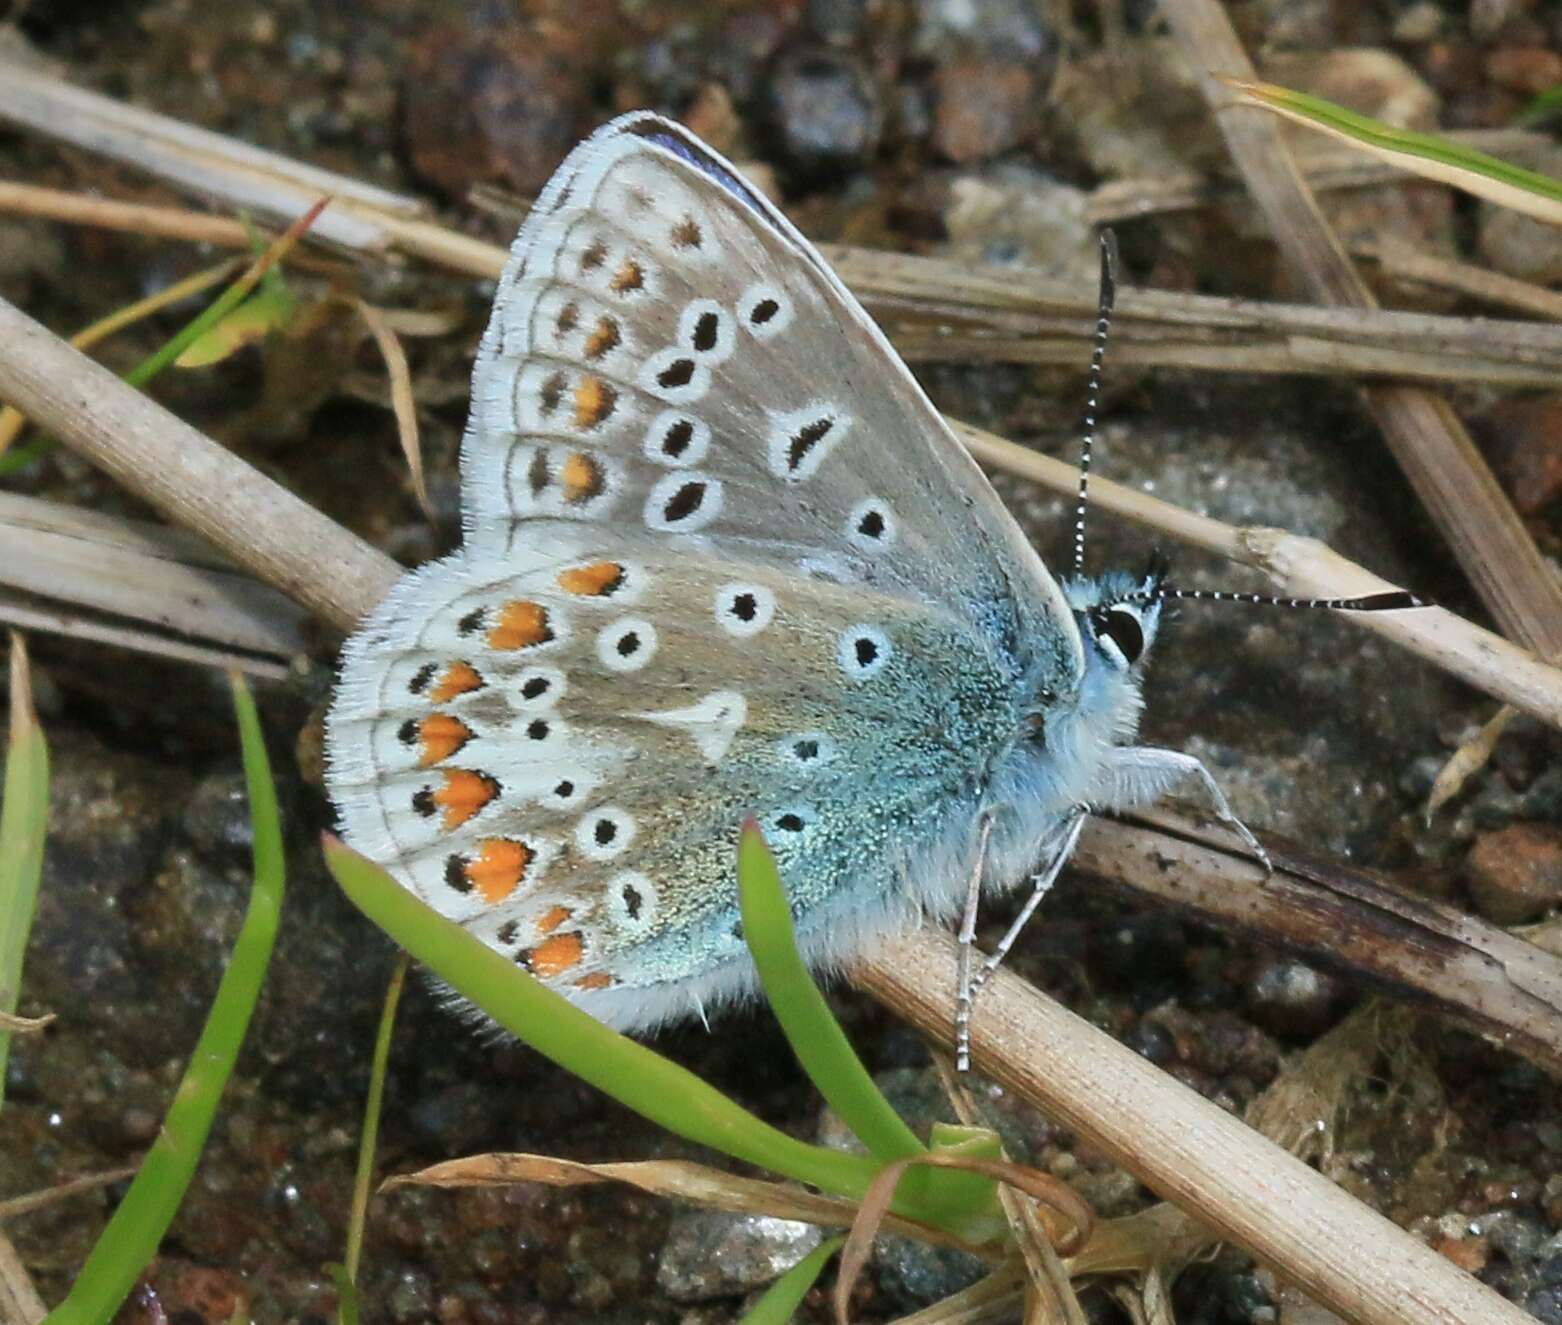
(1421, 429)
(1416, 950)
(19, 1300)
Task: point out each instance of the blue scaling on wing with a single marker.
(655, 131)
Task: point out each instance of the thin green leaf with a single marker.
(810, 1027)
(369, 1138)
(346, 1293)
(1422, 154)
(226, 302)
(636, 1076)
(265, 311)
(784, 1296)
(24, 819)
(1546, 105)
(132, 1235)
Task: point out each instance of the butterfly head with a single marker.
(1119, 614)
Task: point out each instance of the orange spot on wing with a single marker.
(552, 918)
(463, 794)
(555, 955)
(499, 868)
(582, 477)
(596, 980)
(458, 679)
(439, 736)
(604, 337)
(594, 401)
(597, 580)
(628, 277)
(521, 625)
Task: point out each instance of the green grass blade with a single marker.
(371, 1129)
(17, 458)
(1422, 154)
(1545, 105)
(225, 303)
(811, 1029)
(24, 819)
(346, 1293)
(132, 1235)
(784, 1296)
(636, 1076)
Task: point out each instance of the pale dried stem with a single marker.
(1425, 953)
(1397, 260)
(1424, 434)
(1250, 1191)
(983, 312)
(19, 1300)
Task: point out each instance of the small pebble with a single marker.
(984, 108)
(1515, 873)
(824, 111)
(1522, 437)
(1291, 998)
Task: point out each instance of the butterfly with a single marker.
(722, 558)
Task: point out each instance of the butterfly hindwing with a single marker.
(557, 761)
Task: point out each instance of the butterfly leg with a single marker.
(973, 894)
(1041, 885)
(1137, 774)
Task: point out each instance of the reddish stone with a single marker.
(1516, 873)
(1530, 70)
(1522, 437)
(985, 107)
(489, 105)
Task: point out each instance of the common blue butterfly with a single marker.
(722, 557)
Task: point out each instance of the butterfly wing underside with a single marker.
(722, 557)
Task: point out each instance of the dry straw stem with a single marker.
(19, 1300)
(982, 313)
(1397, 260)
(1323, 166)
(1183, 1146)
(1421, 429)
(1210, 1164)
(673, 1179)
(139, 585)
(940, 309)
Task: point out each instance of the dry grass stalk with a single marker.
(674, 1179)
(42, 1200)
(139, 585)
(1323, 167)
(1425, 435)
(19, 1300)
(995, 314)
(1397, 260)
(1247, 1189)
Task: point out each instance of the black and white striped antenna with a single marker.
(1104, 301)
(1392, 600)
(1156, 589)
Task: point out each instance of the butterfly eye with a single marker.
(1122, 628)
